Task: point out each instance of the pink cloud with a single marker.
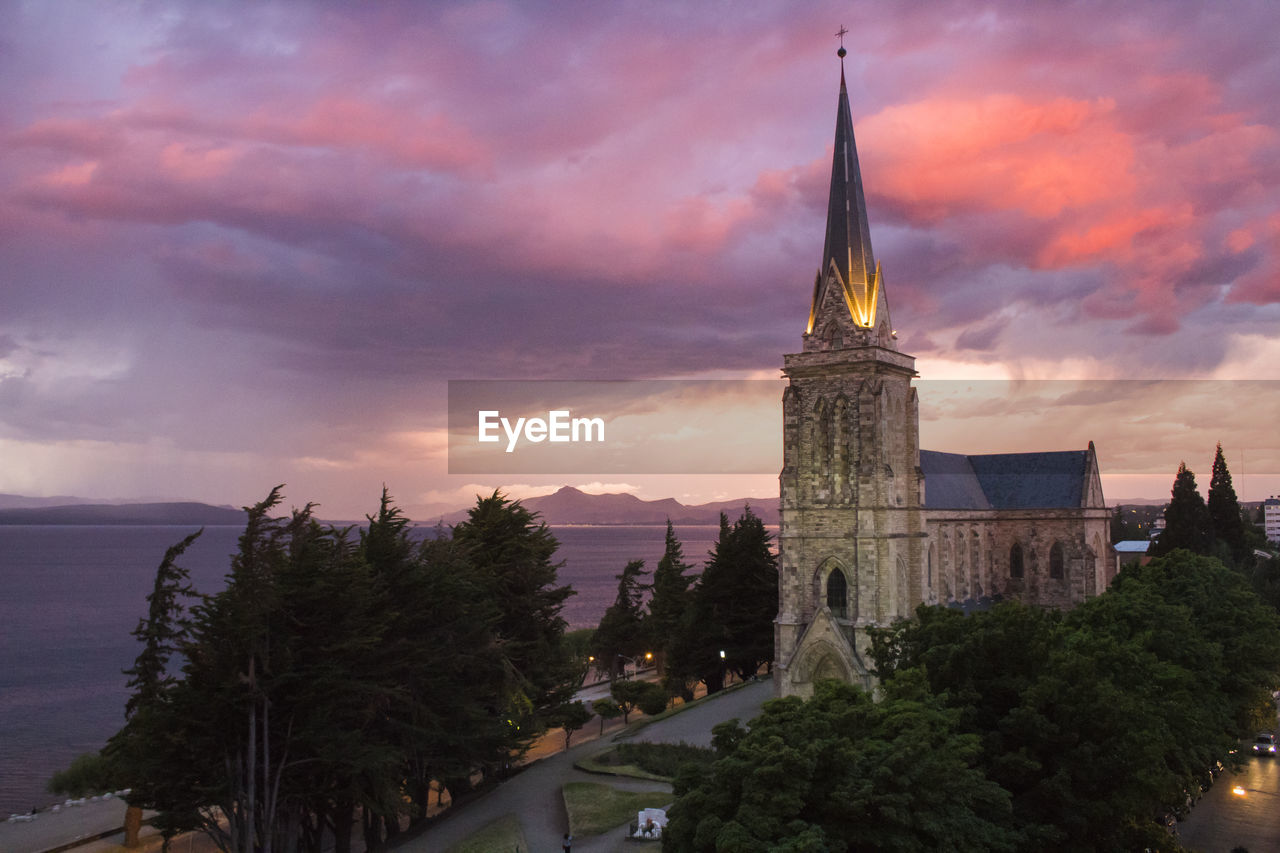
(1115, 237)
(939, 157)
(1261, 286)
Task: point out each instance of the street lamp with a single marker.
(648, 657)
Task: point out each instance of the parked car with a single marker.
(1264, 745)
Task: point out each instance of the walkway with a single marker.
(534, 794)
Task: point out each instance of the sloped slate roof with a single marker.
(951, 482)
(1004, 480)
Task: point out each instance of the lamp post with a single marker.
(648, 658)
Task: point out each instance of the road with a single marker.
(1240, 810)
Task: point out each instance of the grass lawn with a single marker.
(600, 763)
(639, 760)
(504, 834)
(594, 808)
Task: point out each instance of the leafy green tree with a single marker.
(571, 717)
(512, 551)
(88, 773)
(630, 695)
(606, 709)
(1097, 719)
(842, 772)
(577, 644)
(1225, 522)
(1125, 526)
(1265, 579)
(643, 695)
(622, 632)
(670, 599)
(1186, 518)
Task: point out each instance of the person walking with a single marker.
(568, 843)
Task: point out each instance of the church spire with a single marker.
(847, 260)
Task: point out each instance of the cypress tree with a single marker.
(1224, 509)
(512, 552)
(622, 630)
(1186, 518)
(670, 597)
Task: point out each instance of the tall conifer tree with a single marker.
(670, 597)
(622, 632)
(513, 553)
(1186, 517)
(1224, 509)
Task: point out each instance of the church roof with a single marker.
(847, 250)
(1004, 480)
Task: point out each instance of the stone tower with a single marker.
(852, 529)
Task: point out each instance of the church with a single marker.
(871, 525)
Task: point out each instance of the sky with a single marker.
(249, 243)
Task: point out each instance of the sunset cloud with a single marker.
(269, 232)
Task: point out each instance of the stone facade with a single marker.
(871, 526)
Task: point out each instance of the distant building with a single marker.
(871, 525)
(1131, 551)
(1271, 519)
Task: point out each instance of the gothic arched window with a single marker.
(838, 594)
(1015, 561)
(1055, 561)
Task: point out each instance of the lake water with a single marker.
(70, 596)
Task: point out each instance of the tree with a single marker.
(842, 772)
(606, 709)
(88, 773)
(1097, 719)
(734, 604)
(643, 695)
(622, 630)
(670, 598)
(330, 678)
(1224, 511)
(1123, 527)
(142, 753)
(446, 717)
(512, 552)
(1186, 518)
(571, 717)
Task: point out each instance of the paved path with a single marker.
(51, 829)
(534, 794)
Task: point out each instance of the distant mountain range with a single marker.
(25, 502)
(574, 506)
(567, 506)
(177, 512)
